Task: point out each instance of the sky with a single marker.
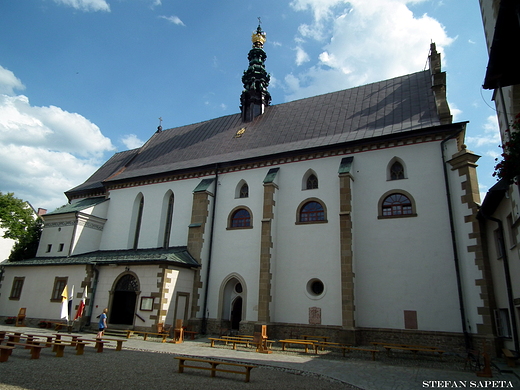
(83, 79)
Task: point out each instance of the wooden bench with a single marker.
(145, 334)
(510, 357)
(229, 340)
(98, 345)
(345, 348)
(119, 345)
(191, 333)
(376, 343)
(413, 349)
(214, 366)
(33, 346)
(5, 352)
(57, 325)
(324, 338)
(306, 343)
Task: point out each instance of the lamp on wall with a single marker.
(127, 269)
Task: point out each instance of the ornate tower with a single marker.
(255, 96)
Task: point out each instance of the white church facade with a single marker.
(351, 214)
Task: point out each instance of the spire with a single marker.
(255, 96)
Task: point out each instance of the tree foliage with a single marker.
(19, 222)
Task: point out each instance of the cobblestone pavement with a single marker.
(151, 365)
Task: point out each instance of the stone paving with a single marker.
(325, 370)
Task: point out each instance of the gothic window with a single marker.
(396, 171)
(311, 211)
(168, 223)
(240, 218)
(396, 204)
(244, 191)
(312, 182)
(136, 220)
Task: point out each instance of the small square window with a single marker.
(49, 248)
(60, 249)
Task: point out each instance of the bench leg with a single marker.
(99, 347)
(4, 355)
(80, 348)
(181, 366)
(248, 373)
(119, 345)
(213, 367)
(145, 336)
(59, 350)
(35, 352)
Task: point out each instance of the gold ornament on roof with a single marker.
(258, 36)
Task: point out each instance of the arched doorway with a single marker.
(236, 313)
(233, 299)
(123, 300)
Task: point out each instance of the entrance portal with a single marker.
(236, 313)
(123, 300)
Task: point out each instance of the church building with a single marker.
(350, 215)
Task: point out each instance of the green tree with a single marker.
(18, 220)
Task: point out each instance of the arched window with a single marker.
(244, 191)
(310, 180)
(397, 204)
(137, 216)
(311, 211)
(168, 222)
(396, 171)
(240, 218)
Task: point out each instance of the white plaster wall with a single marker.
(237, 250)
(149, 282)
(117, 229)
(497, 264)
(403, 263)
(304, 252)
(37, 290)
(56, 235)
(6, 245)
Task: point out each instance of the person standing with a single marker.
(102, 323)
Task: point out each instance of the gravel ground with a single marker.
(139, 370)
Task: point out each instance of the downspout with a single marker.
(204, 324)
(467, 340)
(509, 287)
(93, 293)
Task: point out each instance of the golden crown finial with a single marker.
(258, 36)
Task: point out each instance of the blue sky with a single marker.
(83, 79)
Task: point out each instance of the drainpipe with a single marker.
(509, 287)
(93, 293)
(467, 340)
(206, 287)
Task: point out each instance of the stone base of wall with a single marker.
(448, 341)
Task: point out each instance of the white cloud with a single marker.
(490, 136)
(86, 5)
(173, 19)
(45, 151)
(9, 82)
(301, 56)
(362, 42)
(131, 141)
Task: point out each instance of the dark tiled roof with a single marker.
(178, 256)
(385, 108)
(77, 206)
